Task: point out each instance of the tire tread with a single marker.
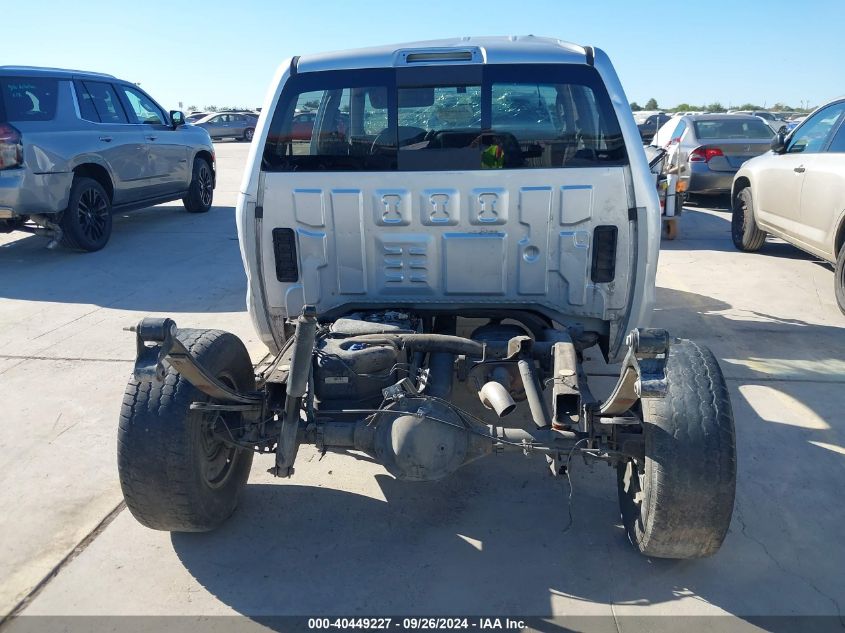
(753, 237)
(690, 474)
(154, 451)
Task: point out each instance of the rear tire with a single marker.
(201, 190)
(87, 222)
(679, 502)
(248, 134)
(744, 232)
(839, 279)
(175, 475)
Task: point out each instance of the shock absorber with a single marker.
(300, 371)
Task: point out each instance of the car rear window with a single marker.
(460, 118)
(28, 98)
(732, 128)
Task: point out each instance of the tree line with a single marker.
(651, 104)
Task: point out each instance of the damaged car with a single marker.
(427, 267)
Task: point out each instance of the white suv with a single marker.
(797, 192)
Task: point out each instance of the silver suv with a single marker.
(76, 146)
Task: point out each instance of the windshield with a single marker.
(732, 128)
(491, 117)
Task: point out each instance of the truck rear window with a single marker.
(28, 98)
(493, 117)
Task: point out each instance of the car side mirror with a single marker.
(177, 118)
(779, 142)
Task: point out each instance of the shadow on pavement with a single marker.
(710, 229)
(158, 259)
(492, 539)
(750, 343)
(488, 542)
(719, 202)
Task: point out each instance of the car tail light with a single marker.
(11, 147)
(704, 154)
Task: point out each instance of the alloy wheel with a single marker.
(92, 213)
(206, 186)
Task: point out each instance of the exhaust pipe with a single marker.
(539, 411)
(494, 396)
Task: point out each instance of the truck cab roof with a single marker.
(512, 49)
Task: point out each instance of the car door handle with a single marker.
(150, 137)
(799, 170)
(106, 139)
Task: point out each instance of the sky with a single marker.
(225, 52)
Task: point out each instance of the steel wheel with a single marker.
(220, 458)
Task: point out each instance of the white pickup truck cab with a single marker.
(433, 234)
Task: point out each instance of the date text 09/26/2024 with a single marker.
(417, 623)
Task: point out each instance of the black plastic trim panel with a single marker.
(604, 254)
(284, 251)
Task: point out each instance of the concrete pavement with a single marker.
(342, 537)
(65, 359)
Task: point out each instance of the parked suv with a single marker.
(77, 146)
(465, 218)
(797, 192)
